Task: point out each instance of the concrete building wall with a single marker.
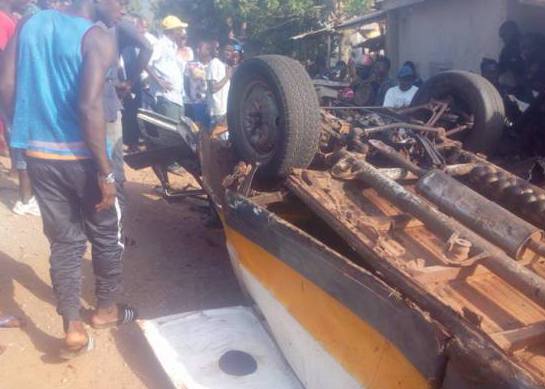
(531, 18)
(447, 34)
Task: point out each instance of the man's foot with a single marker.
(76, 340)
(31, 208)
(113, 316)
(76, 335)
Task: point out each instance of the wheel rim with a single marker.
(260, 119)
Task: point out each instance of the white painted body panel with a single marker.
(314, 366)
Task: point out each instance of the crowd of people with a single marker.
(72, 78)
(519, 76)
(162, 73)
(370, 81)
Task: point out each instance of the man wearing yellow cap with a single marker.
(167, 71)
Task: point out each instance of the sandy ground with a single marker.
(172, 262)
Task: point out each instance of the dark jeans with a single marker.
(169, 109)
(67, 192)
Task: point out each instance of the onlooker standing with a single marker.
(218, 77)
(7, 29)
(197, 108)
(118, 121)
(142, 24)
(510, 57)
(402, 95)
(61, 125)
(7, 24)
(136, 52)
(167, 71)
(185, 53)
(26, 204)
(382, 80)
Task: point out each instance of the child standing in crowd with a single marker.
(218, 77)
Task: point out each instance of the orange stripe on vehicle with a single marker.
(363, 351)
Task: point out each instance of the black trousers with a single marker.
(131, 132)
(67, 192)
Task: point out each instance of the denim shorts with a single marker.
(18, 158)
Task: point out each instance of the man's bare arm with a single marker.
(216, 86)
(98, 56)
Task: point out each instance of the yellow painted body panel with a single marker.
(363, 352)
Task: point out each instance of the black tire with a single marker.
(480, 99)
(293, 120)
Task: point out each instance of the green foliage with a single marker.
(270, 23)
(135, 7)
(356, 7)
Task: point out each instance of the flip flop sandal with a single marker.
(126, 314)
(6, 321)
(68, 354)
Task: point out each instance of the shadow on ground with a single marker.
(14, 271)
(172, 264)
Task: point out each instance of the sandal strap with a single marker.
(6, 319)
(128, 314)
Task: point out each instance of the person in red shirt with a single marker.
(7, 24)
(26, 204)
(7, 29)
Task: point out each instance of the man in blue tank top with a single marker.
(52, 79)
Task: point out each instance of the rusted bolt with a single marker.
(459, 249)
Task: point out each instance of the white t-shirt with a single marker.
(396, 98)
(217, 102)
(167, 66)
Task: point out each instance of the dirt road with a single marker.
(172, 262)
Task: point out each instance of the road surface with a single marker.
(173, 264)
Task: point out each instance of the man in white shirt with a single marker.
(402, 95)
(218, 77)
(166, 71)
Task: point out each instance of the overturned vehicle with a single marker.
(381, 247)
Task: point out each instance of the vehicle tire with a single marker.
(478, 97)
(274, 115)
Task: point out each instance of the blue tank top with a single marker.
(49, 64)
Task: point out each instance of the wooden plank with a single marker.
(444, 274)
(264, 199)
(521, 338)
(470, 343)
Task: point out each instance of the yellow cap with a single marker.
(171, 22)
